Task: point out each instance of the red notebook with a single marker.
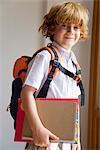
(58, 115)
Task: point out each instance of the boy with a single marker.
(65, 25)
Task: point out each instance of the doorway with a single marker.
(94, 91)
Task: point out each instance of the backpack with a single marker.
(20, 70)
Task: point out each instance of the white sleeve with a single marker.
(38, 69)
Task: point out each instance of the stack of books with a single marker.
(58, 115)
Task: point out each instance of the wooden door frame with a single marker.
(93, 84)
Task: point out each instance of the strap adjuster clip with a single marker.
(56, 63)
(77, 78)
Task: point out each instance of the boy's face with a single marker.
(67, 35)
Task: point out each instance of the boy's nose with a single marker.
(70, 29)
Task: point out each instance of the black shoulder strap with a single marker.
(45, 87)
(80, 84)
(74, 76)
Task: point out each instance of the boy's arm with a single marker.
(29, 106)
(41, 135)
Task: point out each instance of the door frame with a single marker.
(93, 84)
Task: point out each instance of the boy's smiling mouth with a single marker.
(68, 37)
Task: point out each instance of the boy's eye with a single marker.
(65, 26)
(76, 27)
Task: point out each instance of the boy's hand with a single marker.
(42, 136)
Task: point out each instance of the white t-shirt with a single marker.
(61, 86)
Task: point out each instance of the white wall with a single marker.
(19, 22)
(0, 73)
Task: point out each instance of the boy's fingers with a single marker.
(53, 137)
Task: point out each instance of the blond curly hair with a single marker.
(63, 14)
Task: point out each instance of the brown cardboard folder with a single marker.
(58, 115)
